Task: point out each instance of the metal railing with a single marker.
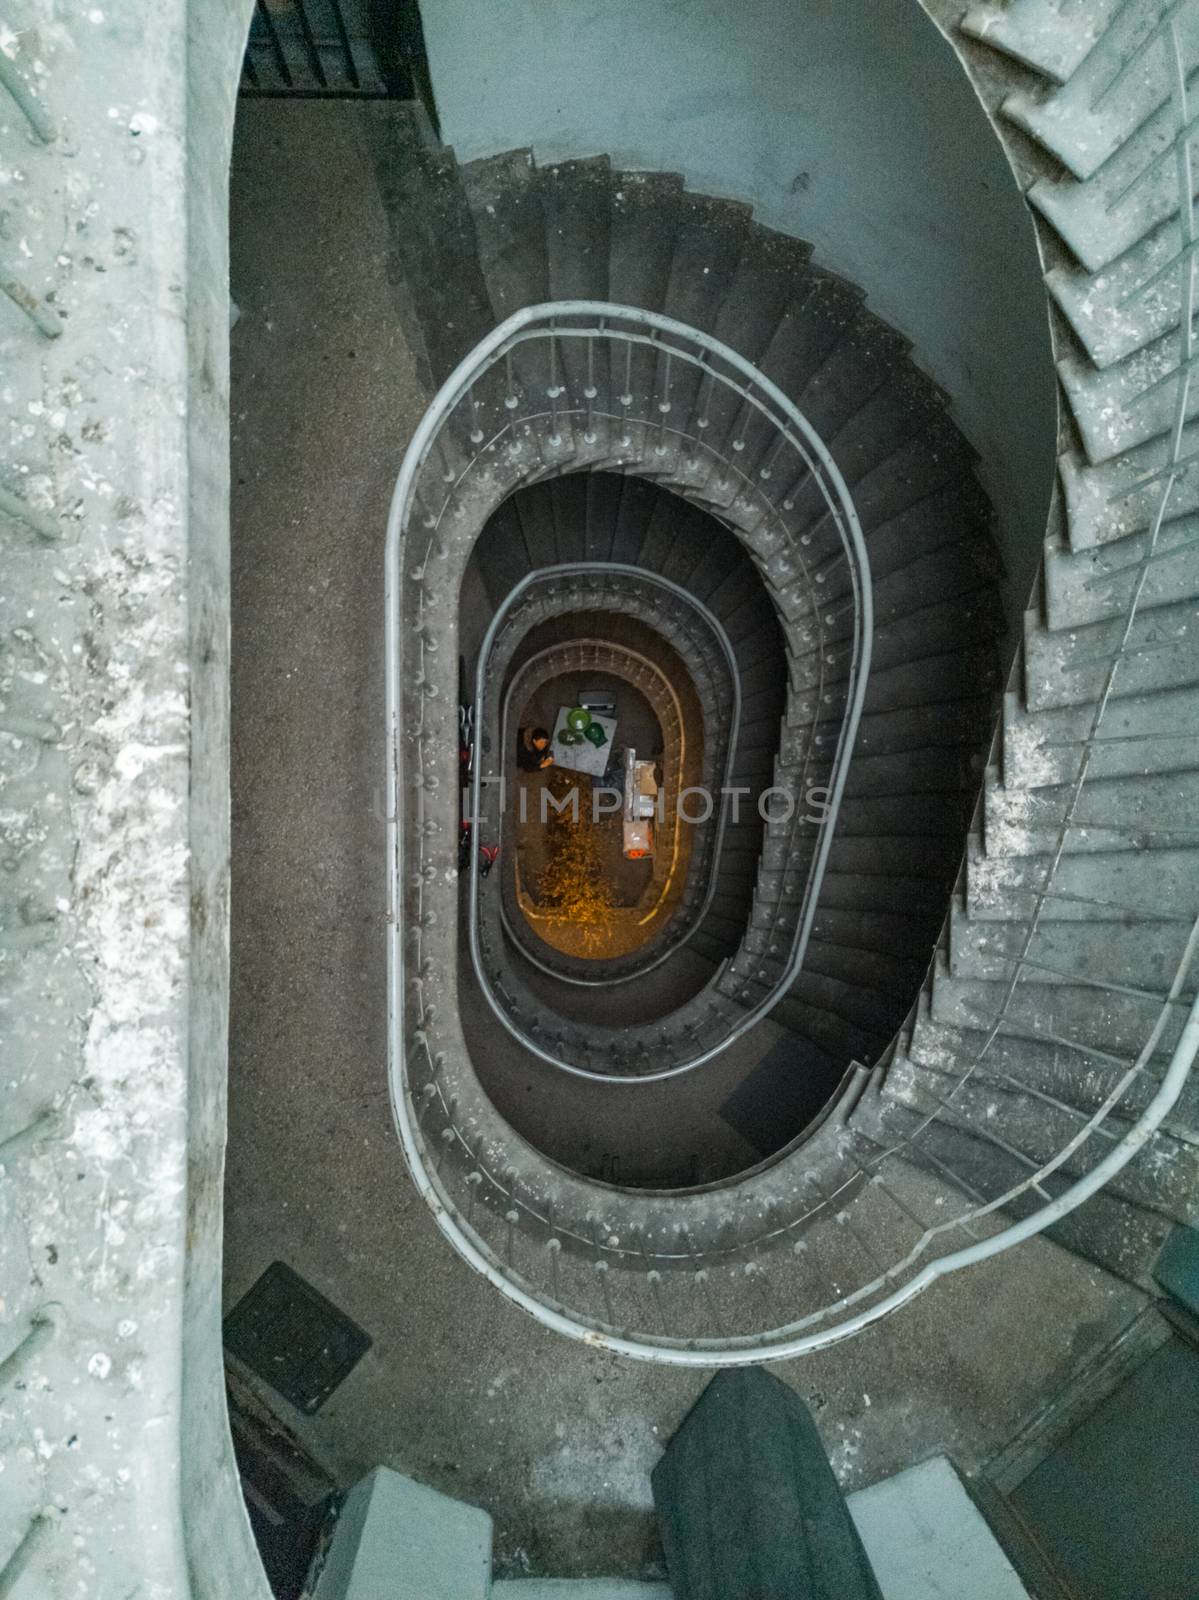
(829, 1236)
(767, 456)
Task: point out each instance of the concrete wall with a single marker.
(114, 624)
(221, 1559)
(850, 123)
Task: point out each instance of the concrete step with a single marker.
(828, 1030)
(576, 204)
(934, 769)
(767, 279)
(906, 405)
(640, 508)
(1108, 502)
(949, 568)
(1127, 403)
(507, 557)
(996, 1108)
(1140, 736)
(1046, 1066)
(866, 357)
(816, 318)
(1129, 304)
(1091, 217)
(917, 816)
(504, 197)
(894, 974)
(709, 241)
(955, 721)
(1115, 1025)
(1111, 814)
(958, 675)
(646, 207)
(1071, 668)
(1092, 584)
(1140, 955)
(1101, 885)
(890, 895)
(1113, 1233)
(440, 261)
(1084, 123)
(954, 512)
(895, 481)
(1040, 33)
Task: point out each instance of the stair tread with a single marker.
(1141, 736)
(1084, 1081)
(1083, 123)
(1105, 886)
(576, 203)
(646, 207)
(1070, 668)
(1142, 954)
(820, 311)
(1131, 303)
(504, 197)
(1088, 214)
(1128, 403)
(1119, 1026)
(1039, 34)
(1040, 1129)
(763, 285)
(1116, 1235)
(1091, 584)
(708, 244)
(439, 256)
(866, 355)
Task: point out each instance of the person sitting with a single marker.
(533, 750)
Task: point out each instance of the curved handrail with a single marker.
(747, 1351)
(546, 321)
(893, 1285)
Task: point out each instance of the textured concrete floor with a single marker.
(462, 1391)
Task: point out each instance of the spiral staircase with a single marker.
(981, 959)
(960, 1073)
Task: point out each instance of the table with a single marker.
(584, 757)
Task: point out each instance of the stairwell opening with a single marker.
(542, 1050)
(537, 1109)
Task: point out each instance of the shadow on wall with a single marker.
(850, 123)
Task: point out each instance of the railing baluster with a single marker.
(664, 406)
(626, 397)
(554, 391)
(590, 392)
